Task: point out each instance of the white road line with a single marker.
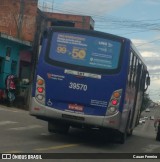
(26, 127)
(151, 148)
(47, 134)
(11, 109)
(7, 122)
(57, 147)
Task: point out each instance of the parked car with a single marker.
(145, 117)
(147, 110)
(142, 120)
(152, 118)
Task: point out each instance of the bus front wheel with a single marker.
(54, 127)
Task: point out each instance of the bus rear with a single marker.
(80, 80)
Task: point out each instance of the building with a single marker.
(18, 18)
(78, 21)
(12, 57)
(17, 30)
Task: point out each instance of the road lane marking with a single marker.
(47, 134)
(26, 127)
(56, 147)
(151, 148)
(13, 151)
(7, 122)
(8, 109)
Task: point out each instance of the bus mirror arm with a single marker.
(148, 81)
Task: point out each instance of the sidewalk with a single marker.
(18, 103)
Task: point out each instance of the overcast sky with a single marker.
(138, 20)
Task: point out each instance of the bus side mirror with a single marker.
(148, 81)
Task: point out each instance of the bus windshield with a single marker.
(84, 50)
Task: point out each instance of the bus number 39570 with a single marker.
(78, 86)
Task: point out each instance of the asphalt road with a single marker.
(22, 133)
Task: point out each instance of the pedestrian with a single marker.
(10, 89)
(157, 126)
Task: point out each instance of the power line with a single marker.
(112, 22)
(115, 21)
(148, 42)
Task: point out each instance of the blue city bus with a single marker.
(88, 79)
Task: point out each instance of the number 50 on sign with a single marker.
(78, 53)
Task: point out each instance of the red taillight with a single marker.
(114, 102)
(40, 93)
(40, 89)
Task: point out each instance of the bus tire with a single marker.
(122, 137)
(58, 127)
(158, 134)
(127, 132)
(130, 132)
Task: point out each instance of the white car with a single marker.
(142, 120)
(151, 117)
(147, 110)
(145, 117)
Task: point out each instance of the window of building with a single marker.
(1, 64)
(14, 67)
(8, 53)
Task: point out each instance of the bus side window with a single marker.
(143, 80)
(129, 72)
(130, 68)
(134, 70)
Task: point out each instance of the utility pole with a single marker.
(20, 18)
(52, 5)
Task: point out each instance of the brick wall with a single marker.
(83, 22)
(18, 18)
